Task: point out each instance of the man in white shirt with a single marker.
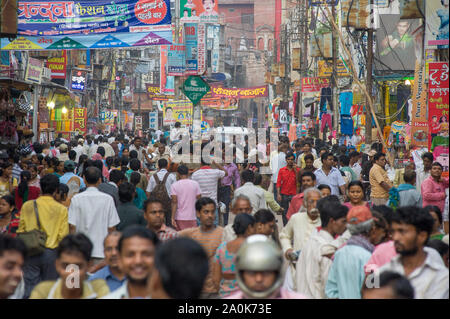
(93, 213)
(354, 164)
(330, 175)
(255, 194)
(315, 261)
(298, 230)
(162, 171)
(424, 173)
(109, 151)
(93, 149)
(422, 266)
(137, 146)
(79, 149)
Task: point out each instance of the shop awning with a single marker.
(16, 84)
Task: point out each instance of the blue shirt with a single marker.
(346, 276)
(67, 176)
(334, 179)
(112, 281)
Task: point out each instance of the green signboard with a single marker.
(195, 88)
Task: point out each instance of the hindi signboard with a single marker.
(34, 70)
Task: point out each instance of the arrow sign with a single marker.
(195, 88)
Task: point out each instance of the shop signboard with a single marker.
(191, 43)
(34, 70)
(80, 120)
(78, 80)
(167, 82)
(154, 93)
(201, 42)
(153, 120)
(203, 11)
(138, 122)
(58, 65)
(176, 60)
(326, 70)
(314, 84)
(214, 46)
(438, 104)
(419, 127)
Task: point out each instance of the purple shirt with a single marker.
(233, 173)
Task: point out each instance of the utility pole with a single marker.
(334, 76)
(369, 79)
(303, 27)
(286, 70)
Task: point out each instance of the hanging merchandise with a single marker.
(346, 125)
(326, 96)
(326, 120)
(346, 100)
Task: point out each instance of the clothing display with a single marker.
(346, 125)
(326, 120)
(326, 95)
(346, 99)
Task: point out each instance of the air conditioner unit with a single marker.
(46, 74)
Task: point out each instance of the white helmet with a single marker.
(259, 253)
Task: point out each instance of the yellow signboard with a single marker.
(22, 44)
(326, 70)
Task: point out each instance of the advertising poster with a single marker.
(204, 11)
(191, 43)
(396, 42)
(419, 127)
(221, 104)
(153, 120)
(177, 111)
(108, 116)
(438, 99)
(176, 59)
(167, 83)
(80, 120)
(239, 93)
(436, 29)
(87, 17)
(34, 70)
(138, 122)
(57, 63)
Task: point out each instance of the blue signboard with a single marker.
(191, 43)
(78, 80)
(87, 17)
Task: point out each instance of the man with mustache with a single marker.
(422, 266)
(136, 259)
(298, 231)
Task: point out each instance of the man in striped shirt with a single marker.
(154, 215)
(210, 237)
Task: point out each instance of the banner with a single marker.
(191, 43)
(314, 84)
(177, 111)
(86, 17)
(438, 99)
(79, 120)
(153, 120)
(34, 70)
(326, 70)
(203, 11)
(241, 93)
(57, 63)
(167, 83)
(419, 127)
(176, 60)
(154, 93)
(220, 104)
(107, 117)
(396, 42)
(436, 34)
(94, 41)
(201, 42)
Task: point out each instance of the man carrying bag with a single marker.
(43, 224)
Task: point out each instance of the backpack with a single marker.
(160, 191)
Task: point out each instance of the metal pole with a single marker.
(334, 76)
(37, 89)
(369, 83)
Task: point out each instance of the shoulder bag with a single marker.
(35, 239)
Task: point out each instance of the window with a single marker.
(270, 46)
(260, 44)
(247, 18)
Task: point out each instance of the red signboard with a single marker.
(80, 120)
(58, 65)
(314, 84)
(438, 100)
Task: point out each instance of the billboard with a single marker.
(86, 17)
(203, 11)
(396, 43)
(436, 30)
(177, 111)
(191, 43)
(176, 60)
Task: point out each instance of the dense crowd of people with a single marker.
(116, 216)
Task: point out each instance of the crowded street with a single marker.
(224, 149)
